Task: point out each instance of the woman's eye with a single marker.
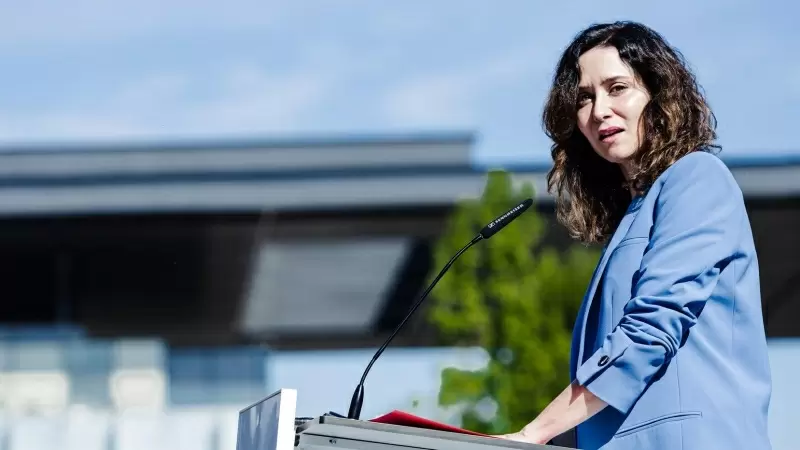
(617, 88)
(583, 98)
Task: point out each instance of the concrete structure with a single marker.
(296, 244)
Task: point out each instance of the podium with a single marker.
(331, 433)
(270, 425)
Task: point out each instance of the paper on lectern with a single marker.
(409, 420)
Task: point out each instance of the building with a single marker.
(292, 244)
(158, 277)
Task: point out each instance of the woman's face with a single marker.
(610, 104)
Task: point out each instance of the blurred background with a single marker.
(204, 202)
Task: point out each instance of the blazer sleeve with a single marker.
(697, 222)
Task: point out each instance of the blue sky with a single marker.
(151, 70)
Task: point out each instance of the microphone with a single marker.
(488, 231)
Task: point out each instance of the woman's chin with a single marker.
(617, 154)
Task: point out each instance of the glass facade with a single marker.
(60, 389)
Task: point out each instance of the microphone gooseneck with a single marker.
(488, 231)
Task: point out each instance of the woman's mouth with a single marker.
(607, 135)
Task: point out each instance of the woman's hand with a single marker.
(528, 434)
(572, 407)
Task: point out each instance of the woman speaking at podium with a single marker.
(669, 349)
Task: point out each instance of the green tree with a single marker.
(516, 298)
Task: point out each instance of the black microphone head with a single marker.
(500, 222)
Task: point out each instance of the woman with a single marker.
(669, 349)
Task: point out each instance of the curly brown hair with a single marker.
(591, 193)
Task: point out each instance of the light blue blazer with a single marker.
(670, 333)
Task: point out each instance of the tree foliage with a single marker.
(516, 298)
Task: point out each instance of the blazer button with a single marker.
(603, 361)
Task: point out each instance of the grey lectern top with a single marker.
(328, 433)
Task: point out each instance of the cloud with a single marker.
(254, 100)
(454, 97)
(65, 125)
(434, 99)
(150, 91)
(237, 100)
(143, 69)
(39, 22)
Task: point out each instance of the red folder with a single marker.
(409, 420)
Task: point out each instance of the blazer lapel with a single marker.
(591, 293)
